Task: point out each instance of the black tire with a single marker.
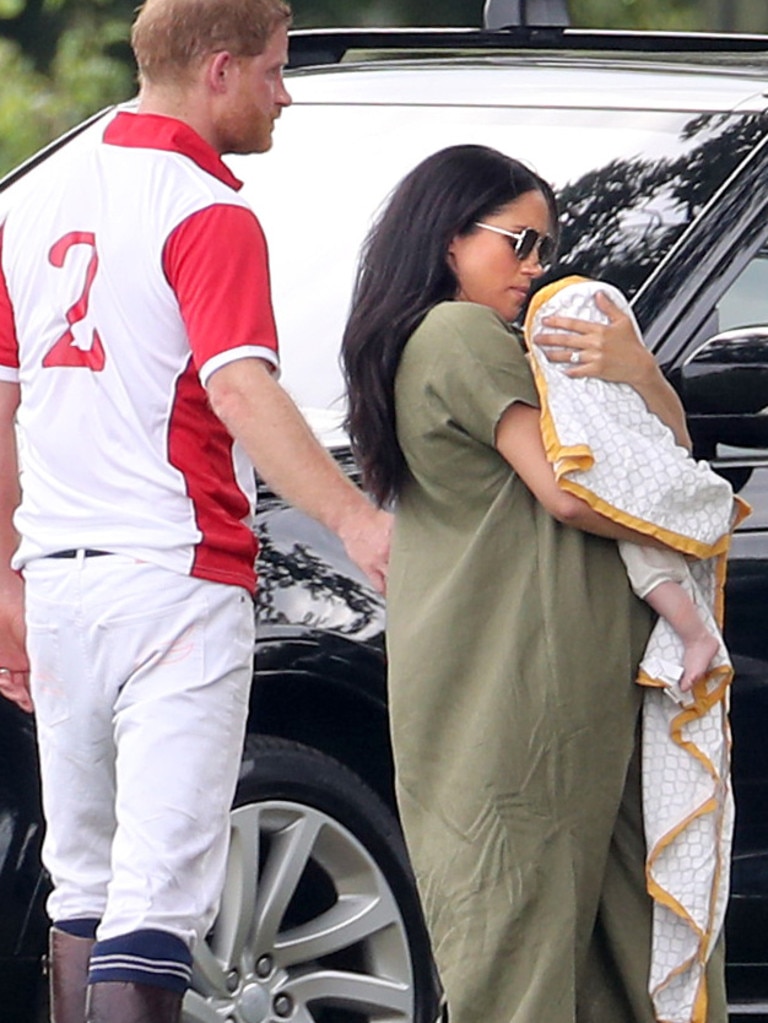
(332, 932)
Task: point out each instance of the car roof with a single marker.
(579, 82)
(448, 67)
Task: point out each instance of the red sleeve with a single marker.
(216, 262)
(9, 345)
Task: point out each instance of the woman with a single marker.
(513, 635)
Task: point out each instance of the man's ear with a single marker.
(218, 70)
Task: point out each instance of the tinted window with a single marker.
(745, 303)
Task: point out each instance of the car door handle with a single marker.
(737, 431)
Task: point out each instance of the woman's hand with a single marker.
(611, 351)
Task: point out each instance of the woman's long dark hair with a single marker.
(404, 272)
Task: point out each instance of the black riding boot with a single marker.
(115, 1001)
(68, 975)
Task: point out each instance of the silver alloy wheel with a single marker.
(268, 961)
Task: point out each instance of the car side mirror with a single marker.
(724, 386)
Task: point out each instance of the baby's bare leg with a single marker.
(670, 600)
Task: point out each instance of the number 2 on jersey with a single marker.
(65, 352)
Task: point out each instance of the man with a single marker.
(136, 342)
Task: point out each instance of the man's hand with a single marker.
(366, 534)
(14, 665)
(264, 419)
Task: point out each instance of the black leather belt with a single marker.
(87, 553)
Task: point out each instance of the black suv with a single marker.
(658, 148)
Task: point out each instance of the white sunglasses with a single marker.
(525, 242)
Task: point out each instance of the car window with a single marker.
(745, 303)
(733, 383)
(629, 181)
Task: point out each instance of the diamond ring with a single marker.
(575, 357)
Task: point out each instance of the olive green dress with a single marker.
(513, 644)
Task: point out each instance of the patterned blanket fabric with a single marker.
(608, 449)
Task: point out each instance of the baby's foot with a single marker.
(697, 657)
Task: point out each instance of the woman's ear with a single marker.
(450, 256)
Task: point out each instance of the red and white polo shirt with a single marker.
(130, 272)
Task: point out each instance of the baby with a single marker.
(657, 575)
(596, 433)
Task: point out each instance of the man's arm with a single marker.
(14, 680)
(258, 413)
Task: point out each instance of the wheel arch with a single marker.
(327, 692)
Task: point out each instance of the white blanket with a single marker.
(607, 448)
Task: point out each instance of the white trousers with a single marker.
(140, 680)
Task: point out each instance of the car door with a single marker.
(712, 335)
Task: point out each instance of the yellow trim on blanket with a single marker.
(684, 544)
(700, 1006)
(578, 458)
(704, 700)
(544, 294)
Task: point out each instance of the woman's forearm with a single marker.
(662, 400)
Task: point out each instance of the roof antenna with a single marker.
(525, 13)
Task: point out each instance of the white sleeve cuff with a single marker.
(234, 355)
